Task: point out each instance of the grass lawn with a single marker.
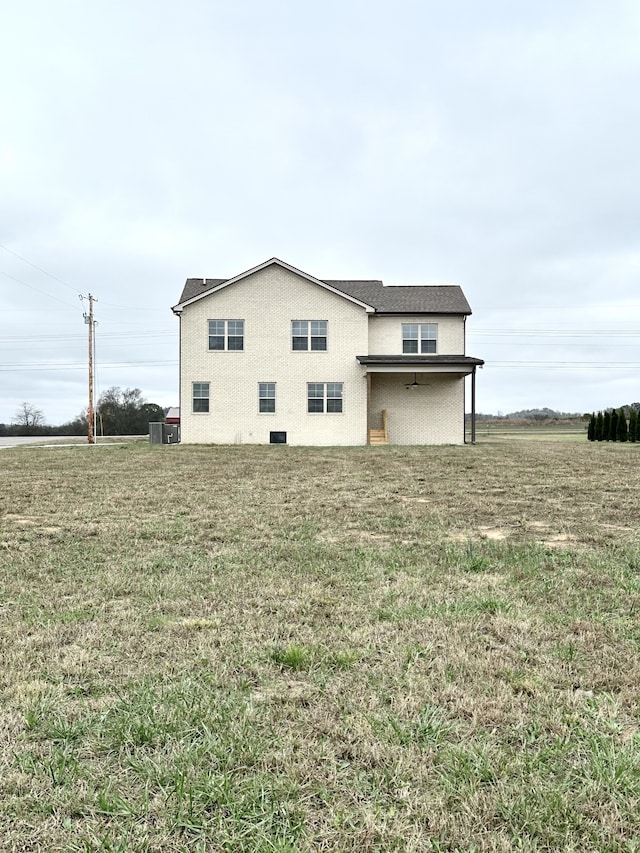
(295, 649)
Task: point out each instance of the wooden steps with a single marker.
(378, 436)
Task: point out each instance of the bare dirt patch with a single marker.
(494, 533)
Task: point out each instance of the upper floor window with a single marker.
(226, 334)
(266, 397)
(309, 335)
(324, 397)
(419, 337)
(200, 396)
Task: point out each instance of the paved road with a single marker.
(47, 440)
(15, 440)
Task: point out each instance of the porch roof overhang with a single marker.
(464, 364)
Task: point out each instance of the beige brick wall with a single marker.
(433, 413)
(267, 301)
(385, 333)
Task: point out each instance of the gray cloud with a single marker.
(492, 144)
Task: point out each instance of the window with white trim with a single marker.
(226, 335)
(419, 337)
(200, 396)
(266, 397)
(324, 397)
(309, 335)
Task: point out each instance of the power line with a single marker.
(497, 309)
(19, 366)
(40, 269)
(556, 345)
(172, 332)
(512, 365)
(564, 365)
(37, 290)
(71, 337)
(548, 333)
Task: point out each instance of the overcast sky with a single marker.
(490, 143)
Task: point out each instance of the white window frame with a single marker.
(266, 393)
(310, 331)
(200, 386)
(425, 336)
(228, 331)
(328, 393)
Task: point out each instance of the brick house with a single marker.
(275, 355)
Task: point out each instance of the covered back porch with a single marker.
(417, 399)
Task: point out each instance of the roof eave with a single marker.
(419, 359)
(462, 365)
(448, 312)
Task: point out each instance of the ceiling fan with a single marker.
(415, 384)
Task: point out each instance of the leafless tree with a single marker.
(29, 416)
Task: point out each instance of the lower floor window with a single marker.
(200, 396)
(266, 397)
(324, 397)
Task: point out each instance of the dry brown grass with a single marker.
(274, 648)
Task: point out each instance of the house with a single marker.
(274, 355)
(173, 415)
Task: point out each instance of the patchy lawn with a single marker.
(286, 649)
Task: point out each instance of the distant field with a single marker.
(543, 431)
(295, 649)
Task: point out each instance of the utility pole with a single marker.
(88, 318)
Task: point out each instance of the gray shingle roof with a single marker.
(196, 286)
(433, 299)
(423, 299)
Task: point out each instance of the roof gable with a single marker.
(197, 288)
(372, 295)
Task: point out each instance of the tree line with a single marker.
(118, 412)
(121, 412)
(612, 425)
